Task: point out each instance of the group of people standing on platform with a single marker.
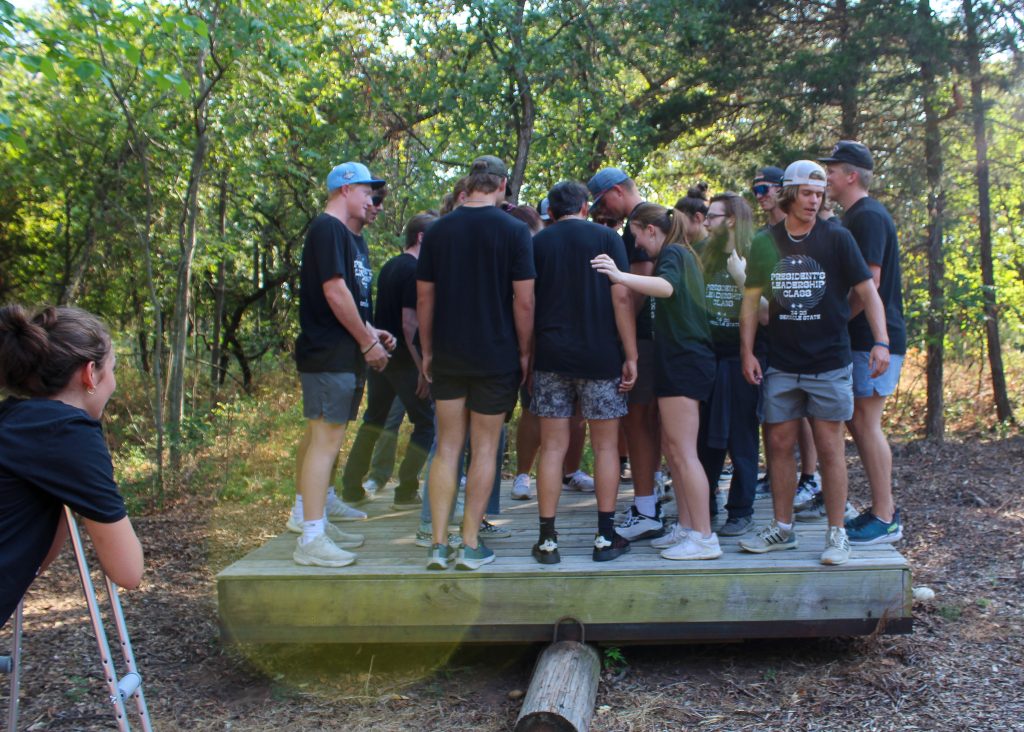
(683, 335)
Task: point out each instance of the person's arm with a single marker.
(425, 318)
(878, 360)
(856, 304)
(522, 312)
(749, 315)
(645, 285)
(409, 327)
(118, 550)
(625, 323)
(343, 305)
(637, 299)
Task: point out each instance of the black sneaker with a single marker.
(546, 551)
(605, 550)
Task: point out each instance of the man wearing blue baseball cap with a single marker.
(850, 170)
(617, 195)
(336, 342)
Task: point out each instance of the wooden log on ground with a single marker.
(562, 691)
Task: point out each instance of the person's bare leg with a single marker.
(875, 453)
(325, 440)
(604, 439)
(300, 456)
(554, 441)
(680, 420)
(577, 438)
(782, 438)
(644, 446)
(443, 479)
(484, 436)
(527, 441)
(808, 452)
(828, 436)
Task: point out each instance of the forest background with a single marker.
(160, 162)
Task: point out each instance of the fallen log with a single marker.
(562, 691)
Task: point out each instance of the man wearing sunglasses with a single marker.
(766, 186)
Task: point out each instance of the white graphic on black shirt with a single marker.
(723, 299)
(798, 285)
(364, 276)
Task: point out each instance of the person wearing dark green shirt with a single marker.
(684, 366)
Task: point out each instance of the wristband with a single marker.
(369, 348)
(883, 345)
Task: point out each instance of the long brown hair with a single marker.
(714, 255)
(668, 220)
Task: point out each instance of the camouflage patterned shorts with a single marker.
(555, 396)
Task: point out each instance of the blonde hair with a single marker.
(666, 220)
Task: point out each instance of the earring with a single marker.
(90, 390)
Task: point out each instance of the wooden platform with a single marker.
(388, 596)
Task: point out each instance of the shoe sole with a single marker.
(543, 557)
(883, 539)
(471, 564)
(710, 555)
(649, 534)
(406, 506)
(767, 549)
(723, 532)
(607, 555)
(832, 563)
(521, 496)
(437, 566)
(313, 562)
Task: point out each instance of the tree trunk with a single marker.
(526, 109)
(216, 377)
(848, 103)
(1004, 410)
(935, 417)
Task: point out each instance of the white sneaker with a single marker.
(336, 535)
(694, 546)
(663, 487)
(637, 526)
(321, 552)
(521, 487)
(837, 546)
(675, 535)
(579, 481)
(806, 490)
(338, 510)
(371, 486)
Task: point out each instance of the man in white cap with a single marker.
(336, 342)
(806, 268)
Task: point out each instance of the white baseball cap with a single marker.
(804, 173)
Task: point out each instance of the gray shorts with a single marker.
(555, 397)
(827, 396)
(643, 390)
(866, 386)
(331, 396)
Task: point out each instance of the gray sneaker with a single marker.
(770, 539)
(424, 538)
(490, 531)
(321, 552)
(736, 526)
(837, 547)
(336, 535)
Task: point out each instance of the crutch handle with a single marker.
(6, 665)
(128, 685)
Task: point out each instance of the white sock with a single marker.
(784, 527)
(297, 510)
(312, 529)
(647, 505)
(330, 491)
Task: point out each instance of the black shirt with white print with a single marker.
(807, 281)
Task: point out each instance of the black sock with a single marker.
(804, 477)
(622, 461)
(547, 529)
(606, 524)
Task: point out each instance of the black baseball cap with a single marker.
(769, 174)
(851, 152)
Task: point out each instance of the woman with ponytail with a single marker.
(684, 367)
(57, 365)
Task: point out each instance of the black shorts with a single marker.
(494, 394)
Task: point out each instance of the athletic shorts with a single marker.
(333, 396)
(555, 397)
(483, 394)
(827, 396)
(884, 385)
(643, 390)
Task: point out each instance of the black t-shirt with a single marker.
(473, 255)
(574, 328)
(807, 284)
(875, 233)
(681, 334)
(330, 251)
(51, 454)
(645, 317)
(396, 289)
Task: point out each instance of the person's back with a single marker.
(575, 324)
(472, 256)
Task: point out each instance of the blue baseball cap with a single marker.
(350, 174)
(603, 180)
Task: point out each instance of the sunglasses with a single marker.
(377, 201)
(762, 189)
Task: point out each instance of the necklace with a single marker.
(793, 238)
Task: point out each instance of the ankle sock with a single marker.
(606, 524)
(311, 530)
(547, 528)
(647, 505)
(784, 527)
(297, 509)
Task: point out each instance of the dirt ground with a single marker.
(961, 669)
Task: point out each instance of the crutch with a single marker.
(131, 683)
(10, 665)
